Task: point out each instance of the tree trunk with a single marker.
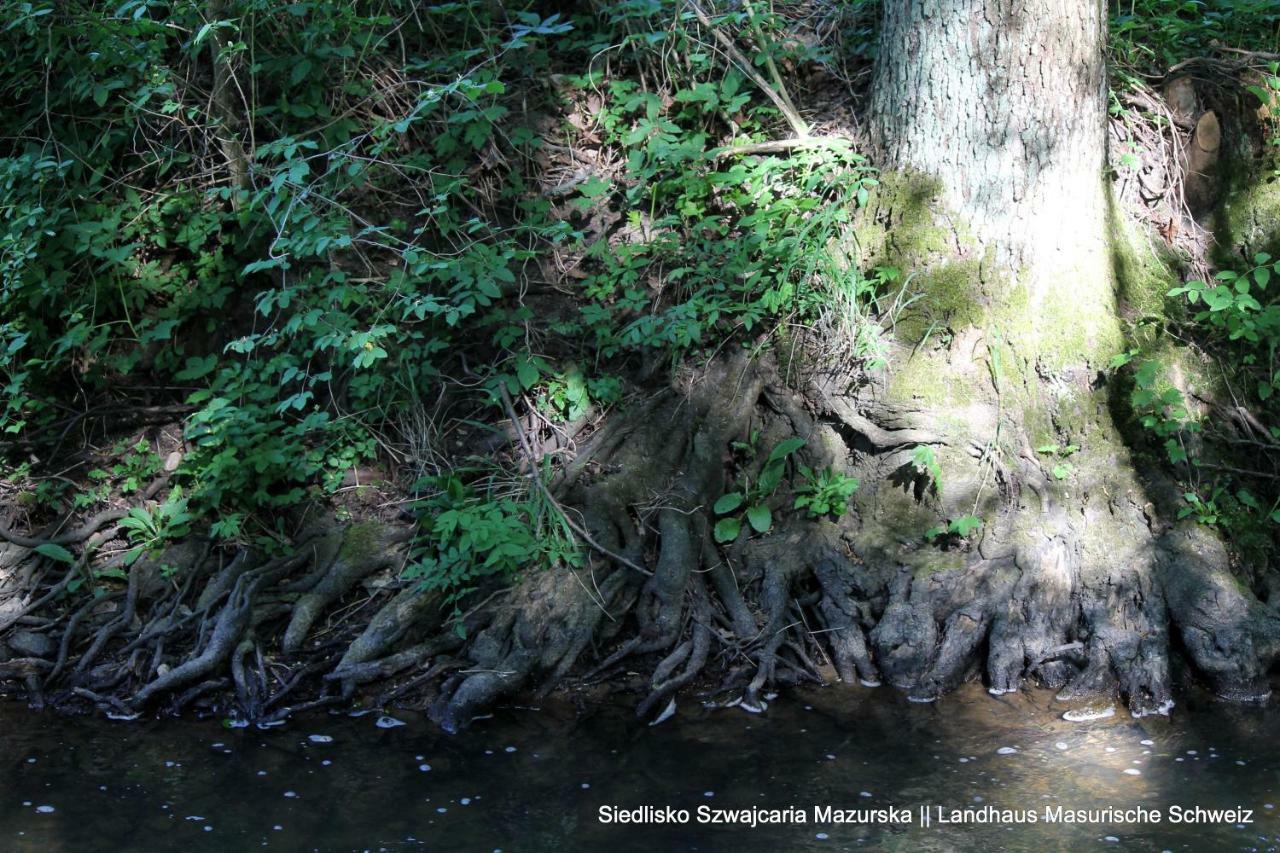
(994, 114)
(1004, 103)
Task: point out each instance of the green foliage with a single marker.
(1151, 36)
(825, 492)
(1236, 319)
(925, 460)
(960, 527)
(749, 502)
(471, 532)
(1061, 468)
(1268, 93)
(149, 529)
(1161, 408)
(297, 222)
(298, 305)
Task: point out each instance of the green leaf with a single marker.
(770, 477)
(728, 502)
(727, 529)
(760, 518)
(785, 449)
(965, 524)
(55, 552)
(527, 373)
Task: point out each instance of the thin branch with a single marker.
(546, 493)
(793, 118)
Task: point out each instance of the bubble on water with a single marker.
(1006, 750)
(1112, 839)
(419, 758)
(1147, 742)
(320, 738)
(1191, 752)
(277, 828)
(465, 801)
(31, 761)
(425, 768)
(586, 785)
(389, 723)
(290, 794)
(509, 749)
(830, 757)
(1062, 746)
(218, 745)
(1133, 771)
(865, 794)
(1111, 749)
(262, 773)
(194, 817)
(45, 809)
(708, 793)
(1241, 763)
(326, 762)
(442, 810)
(822, 836)
(208, 829)
(964, 761)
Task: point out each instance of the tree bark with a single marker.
(1004, 103)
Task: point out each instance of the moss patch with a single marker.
(946, 296)
(362, 541)
(1248, 221)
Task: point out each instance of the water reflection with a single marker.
(537, 780)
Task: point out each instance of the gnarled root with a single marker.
(1077, 585)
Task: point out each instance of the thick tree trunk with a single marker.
(1004, 103)
(994, 113)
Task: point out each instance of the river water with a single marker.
(537, 779)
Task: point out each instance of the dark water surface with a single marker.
(528, 780)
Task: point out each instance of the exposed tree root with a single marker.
(1077, 589)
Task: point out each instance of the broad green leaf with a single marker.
(727, 529)
(728, 502)
(785, 449)
(55, 552)
(760, 518)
